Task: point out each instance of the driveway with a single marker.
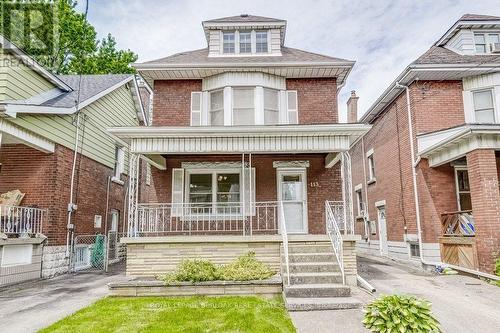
(30, 306)
(460, 303)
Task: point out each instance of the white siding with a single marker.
(214, 42)
(275, 41)
(462, 42)
(477, 83)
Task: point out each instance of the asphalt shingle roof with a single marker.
(288, 55)
(441, 55)
(90, 86)
(476, 17)
(244, 18)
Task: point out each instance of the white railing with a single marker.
(21, 220)
(333, 231)
(164, 219)
(284, 235)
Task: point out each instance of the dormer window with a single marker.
(483, 41)
(228, 42)
(245, 42)
(261, 42)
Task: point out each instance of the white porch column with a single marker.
(347, 192)
(133, 187)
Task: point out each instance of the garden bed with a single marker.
(267, 288)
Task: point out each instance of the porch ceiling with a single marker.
(240, 139)
(447, 145)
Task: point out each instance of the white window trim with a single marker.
(371, 167)
(359, 201)
(491, 89)
(253, 40)
(213, 172)
(209, 108)
(457, 192)
(222, 42)
(256, 108)
(119, 168)
(487, 45)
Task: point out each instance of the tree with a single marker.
(75, 48)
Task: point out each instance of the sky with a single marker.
(382, 36)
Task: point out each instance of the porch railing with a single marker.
(21, 220)
(206, 218)
(333, 231)
(459, 223)
(284, 235)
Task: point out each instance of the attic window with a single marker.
(261, 42)
(484, 41)
(245, 42)
(228, 42)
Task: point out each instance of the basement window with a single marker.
(414, 250)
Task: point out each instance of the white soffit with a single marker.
(15, 134)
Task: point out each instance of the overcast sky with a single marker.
(383, 37)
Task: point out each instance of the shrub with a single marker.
(195, 270)
(497, 267)
(246, 268)
(400, 313)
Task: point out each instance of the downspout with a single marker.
(414, 164)
(71, 205)
(107, 207)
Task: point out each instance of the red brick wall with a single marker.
(435, 106)
(317, 99)
(323, 184)
(483, 178)
(45, 178)
(172, 102)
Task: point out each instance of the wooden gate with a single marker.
(459, 251)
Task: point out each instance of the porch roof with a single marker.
(321, 138)
(447, 145)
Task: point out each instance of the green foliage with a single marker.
(244, 268)
(195, 270)
(497, 267)
(400, 313)
(76, 48)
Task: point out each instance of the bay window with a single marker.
(245, 42)
(271, 107)
(261, 42)
(228, 42)
(243, 106)
(216, 108)
(483, 106)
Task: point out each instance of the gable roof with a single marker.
(243, 18)
(87, 88)
(442, 55)
(200, 57)
(476, 17)
(469, 21)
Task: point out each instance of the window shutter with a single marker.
(249, 181)
(196, 104)
(292, 107)
(468, 107)
(177, 191)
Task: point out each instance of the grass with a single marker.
(192, 314)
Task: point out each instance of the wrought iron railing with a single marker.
(459, 223)
(333, 231)
(205, 218)
(284, 235)
(21, 220)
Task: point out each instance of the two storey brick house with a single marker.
(245, 138)
(426, 175)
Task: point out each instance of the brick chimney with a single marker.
(352, 108)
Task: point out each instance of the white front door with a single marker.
(292, 191)
(382, 231)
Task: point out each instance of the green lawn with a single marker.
(193, 314)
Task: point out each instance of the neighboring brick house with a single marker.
(453, 95)
(39, 129)
(245, 142)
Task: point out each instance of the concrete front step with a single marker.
(312, 267)
(310, 257)
(315, 278)
(321, 303)
(317, 290)
(310, 248)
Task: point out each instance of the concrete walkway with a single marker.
(30, 306)
(461, 303)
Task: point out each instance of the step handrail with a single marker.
(284, 236)
(333, 231)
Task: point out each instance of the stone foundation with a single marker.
(54, 261)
